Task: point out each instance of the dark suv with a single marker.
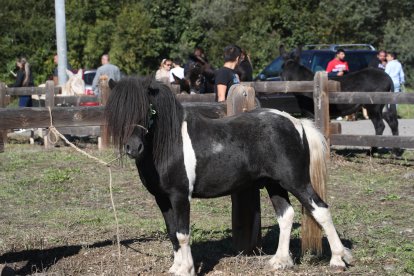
(316, 58)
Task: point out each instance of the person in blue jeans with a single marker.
(226, 76)
(24, 78)
(395, 71)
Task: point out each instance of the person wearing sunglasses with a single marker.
(163, 72)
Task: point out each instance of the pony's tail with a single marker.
(311, 230)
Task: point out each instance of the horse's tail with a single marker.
(311, 230)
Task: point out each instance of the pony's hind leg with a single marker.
(391, 117)
(285, 213)
(320, 211)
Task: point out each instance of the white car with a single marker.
(88, 76)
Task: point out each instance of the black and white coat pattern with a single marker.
(181, 154)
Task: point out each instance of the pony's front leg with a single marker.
(181, 207)
(164, 204)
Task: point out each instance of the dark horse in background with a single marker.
(181, 154)
(198, 76)
(365, 80)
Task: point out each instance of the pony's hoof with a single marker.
(336, 269)
(173, 269)
(184, 271)
(279, 263)
(348, 259)
(336, 262)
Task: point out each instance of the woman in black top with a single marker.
(24, 78)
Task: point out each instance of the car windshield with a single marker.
(275, 68)
(356, 60)
(318, 61)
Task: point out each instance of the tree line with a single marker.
(139, 34)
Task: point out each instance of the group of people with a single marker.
(386, 61)
(236, 67)
(168, 69)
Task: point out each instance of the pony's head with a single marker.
(199, 77)
(183, 83)
(142, 114)
(75, 84)
(292, 69)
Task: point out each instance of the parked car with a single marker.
(88, 76)
(316, 58)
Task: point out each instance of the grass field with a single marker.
(57, 218)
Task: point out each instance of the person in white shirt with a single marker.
(395, 71)
(163, 72)
(178, 71)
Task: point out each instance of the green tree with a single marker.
(352, 21)
(26, 29)
(399, 37)
(135, 46)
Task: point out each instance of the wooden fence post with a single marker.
(49, 103)
(246, 223)
(103, 140)
(3, 132)
(321, 103)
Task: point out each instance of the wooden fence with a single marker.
(324, 92)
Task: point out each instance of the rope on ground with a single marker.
(57, 134)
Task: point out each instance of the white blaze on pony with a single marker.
(189, 159)
(246, 148)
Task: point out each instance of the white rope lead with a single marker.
(53, 130)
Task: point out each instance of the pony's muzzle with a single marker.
(134, 149)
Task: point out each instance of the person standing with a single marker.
(24, 78)
(55, 70)
(226, 76)
(395, 71)
(108, 69)
(337, 67)
(163, 72)
(379, 61)
(178, 71)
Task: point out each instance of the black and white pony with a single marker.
(365, 80)
(181, 154)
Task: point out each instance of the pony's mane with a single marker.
(131, 102)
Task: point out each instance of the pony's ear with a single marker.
(80, 73)
(282, 52)
(112, 83)
(176, 79)
(69, 73)
(297, 53)
(185, 85)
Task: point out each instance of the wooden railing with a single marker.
(324, 93)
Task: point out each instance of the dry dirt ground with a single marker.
(57, 218)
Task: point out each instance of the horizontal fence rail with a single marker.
(406, 142)
(27, 91)
(34, 117)
(288, 86)
(370, 98)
